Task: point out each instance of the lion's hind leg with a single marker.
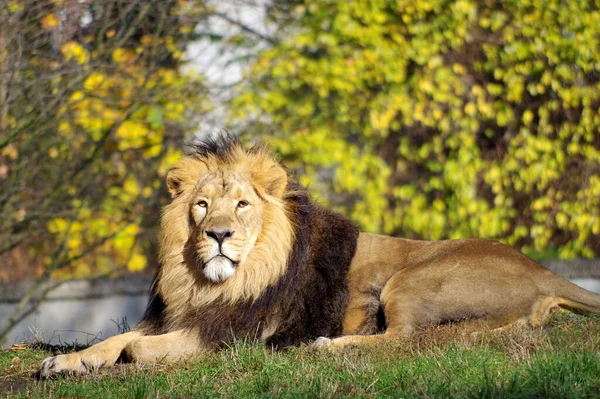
(105, 353)
(542, 311)
(401, 315)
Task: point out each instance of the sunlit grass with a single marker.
(560, 361)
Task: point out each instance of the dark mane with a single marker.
(222, 146)
(221, 323)
(310, 298)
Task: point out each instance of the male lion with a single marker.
(245, 253)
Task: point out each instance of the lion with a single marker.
(245, 253)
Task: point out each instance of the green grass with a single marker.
(560, 361)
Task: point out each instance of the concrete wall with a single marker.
(76, 320)
(87, 311)
(77, 311)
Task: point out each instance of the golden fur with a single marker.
(266, 263)
(239, 237)
(474, 281)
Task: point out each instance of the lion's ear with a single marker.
(183, 175)
(272, 179)
(277, 183)
(174, 183)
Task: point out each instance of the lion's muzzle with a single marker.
(219, 268)
(220, 265)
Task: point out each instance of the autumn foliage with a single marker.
(441, 119)
(94, 110)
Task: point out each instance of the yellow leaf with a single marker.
(147, 192)
(76, 96)
(470, 109)
(10, 151)
(561, 220)
(94, 81)
(73, 243)
(75, 51)
(121, 55)
(131, 186)
(57, 225)
(20, 215)
(49, 21)
(153, 151)
(136, 263)
(15, 7)
(169, 160)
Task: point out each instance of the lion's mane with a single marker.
(309, 295)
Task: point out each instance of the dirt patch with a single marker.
(22, 380)
(16, 382)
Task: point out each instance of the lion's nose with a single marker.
(220, 235)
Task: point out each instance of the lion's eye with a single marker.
(202, 204)
(242, 204)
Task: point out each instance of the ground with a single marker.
(560, 360)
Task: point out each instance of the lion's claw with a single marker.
(47, 367)
(321, 342)
(65, 364)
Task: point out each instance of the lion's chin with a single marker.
(219, 269)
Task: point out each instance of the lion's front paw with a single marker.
(321, 342)
(72, 363)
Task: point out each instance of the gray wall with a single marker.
(82, 320)
(77, 311)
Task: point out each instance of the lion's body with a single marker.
(245, 253)
(421, 283)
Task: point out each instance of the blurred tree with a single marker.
(440, 118)
(93, 110)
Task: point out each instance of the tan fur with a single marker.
(90, 359)
(416, 283)
(166, 348)
(428, 282)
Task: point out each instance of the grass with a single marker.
(561, 360)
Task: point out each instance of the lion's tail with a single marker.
(574, 298)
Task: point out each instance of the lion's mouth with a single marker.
(219, 268)
(233, 262)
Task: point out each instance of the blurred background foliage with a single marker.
(93, 110)
(423, 119)
(440, 119)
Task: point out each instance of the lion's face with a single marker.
(226, 219)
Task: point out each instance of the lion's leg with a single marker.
(169, 348)
(102, 354)
(401, 318)
(542, 310)
(354, 320)
(479, 329)
(354, 340)
(409, 301)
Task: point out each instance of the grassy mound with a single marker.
(561, 360)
